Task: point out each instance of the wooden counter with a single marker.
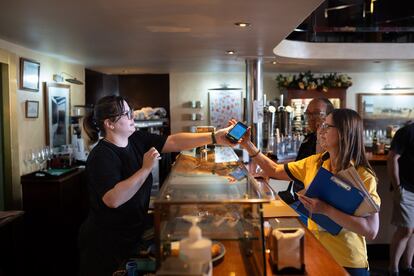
(377, 159)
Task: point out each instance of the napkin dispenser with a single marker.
(287, 253)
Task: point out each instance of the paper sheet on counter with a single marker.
(277, 208)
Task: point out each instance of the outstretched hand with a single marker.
(244, 141)
(221, 134)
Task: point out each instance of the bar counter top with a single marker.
(377, 159)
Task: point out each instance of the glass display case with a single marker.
(216, 187)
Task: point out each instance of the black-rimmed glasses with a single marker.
(129, 114)
(325, 126)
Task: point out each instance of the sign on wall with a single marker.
(225, 104)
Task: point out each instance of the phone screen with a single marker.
(237, 131)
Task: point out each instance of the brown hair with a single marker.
(108, 107)
(351, 144)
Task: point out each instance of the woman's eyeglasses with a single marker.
(129, 114)
(325, 126)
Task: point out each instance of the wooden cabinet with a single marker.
(337, 93)
(54, 209)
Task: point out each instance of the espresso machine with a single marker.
(277, 126)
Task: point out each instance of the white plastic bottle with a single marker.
(196, 250)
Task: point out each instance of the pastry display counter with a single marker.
(217, 189)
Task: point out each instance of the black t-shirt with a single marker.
(403, 144)
(109, 164)
(308, 147)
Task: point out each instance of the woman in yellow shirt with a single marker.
(341, 135)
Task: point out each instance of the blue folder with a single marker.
(340, 195)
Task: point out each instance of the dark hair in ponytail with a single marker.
(108, 107)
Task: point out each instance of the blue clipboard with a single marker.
(340, 195)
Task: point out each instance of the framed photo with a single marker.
(380, 110)
(29, 74)
(225, 104)
(57, 101)
(32, 109)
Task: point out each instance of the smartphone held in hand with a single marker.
(237, 132)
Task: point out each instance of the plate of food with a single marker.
(217, 252)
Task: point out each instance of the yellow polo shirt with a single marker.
(347, 248)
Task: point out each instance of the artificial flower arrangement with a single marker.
(307, 81)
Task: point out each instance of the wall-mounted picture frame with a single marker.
(379, 110)
(57, 106)
(225, 104)
(32, 109)
(29, 74)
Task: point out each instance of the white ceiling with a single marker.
(163, 36)
(294, 56)
(153, 36)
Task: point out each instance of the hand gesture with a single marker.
(151, 158)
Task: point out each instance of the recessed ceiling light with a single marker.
(230, 52)
(274, 62)
(242, 24)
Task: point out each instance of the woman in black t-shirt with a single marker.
(119, 180)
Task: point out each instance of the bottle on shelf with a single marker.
(374, 142)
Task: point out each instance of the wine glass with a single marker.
(28, 160)
(48, 156)
(33, 159)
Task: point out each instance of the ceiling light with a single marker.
(274, 62)
(242, 24)
(230, 52)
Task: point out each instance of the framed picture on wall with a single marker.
(379, 110)
(225, 104)
(57, 99)
(29, 74)
(32, 109)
